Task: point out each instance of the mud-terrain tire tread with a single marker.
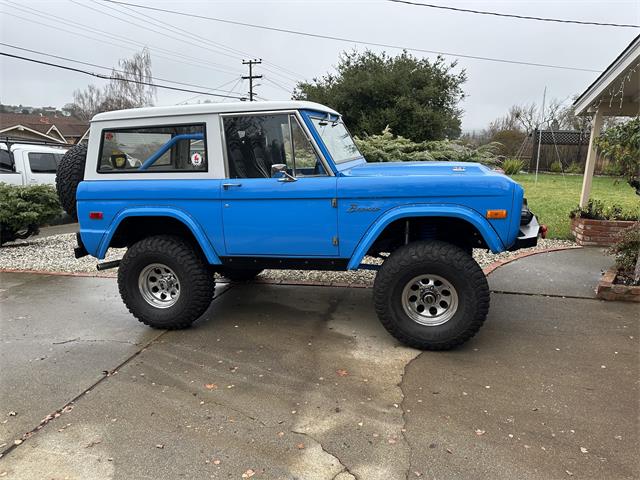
(240, 274)
(197, 277)
(69, 175)
(430, 251)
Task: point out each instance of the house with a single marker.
(50, 128)
(615, 93)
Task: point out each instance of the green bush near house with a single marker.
(556, 167)
(24, 209)
(625, 251)
(575, 167)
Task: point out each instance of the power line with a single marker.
(509, 15)
(88, 64)
(278, 85)
(110, 77)
(173, 56)
(206, 40)
(363, 42)
(219, 88)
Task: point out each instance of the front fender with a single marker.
(489, 235)
(180, 215)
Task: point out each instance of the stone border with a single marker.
(608, 290)
(487, 271)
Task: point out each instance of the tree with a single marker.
(128, 88)
(416, 98)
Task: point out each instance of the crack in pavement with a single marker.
(403, 430)
(67, 407)
(344, 467)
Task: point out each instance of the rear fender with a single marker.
(489, 235)
(180, 215)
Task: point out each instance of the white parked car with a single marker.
(29, 164)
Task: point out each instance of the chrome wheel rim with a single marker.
(429, 300)
(159, 285)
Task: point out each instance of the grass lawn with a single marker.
(554, 196)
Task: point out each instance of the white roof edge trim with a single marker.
(613, 71)
(208, 109)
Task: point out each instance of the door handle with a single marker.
(226, 186)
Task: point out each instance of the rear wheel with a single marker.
(431, 295)
(165, 283)
(240, 274)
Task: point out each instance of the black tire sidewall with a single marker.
(461, 320)
(147, 312)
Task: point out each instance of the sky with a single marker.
(100, 33)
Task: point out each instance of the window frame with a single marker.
(262, 113)
(141, 127)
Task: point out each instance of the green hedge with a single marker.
(24, 209)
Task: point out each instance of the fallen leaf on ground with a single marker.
(217, 462)
(12, 414)
(480, 432)
(248, 474)
(211, 386)
(300, 446)
(93, 443)
(342, 372)
(584, 450)
(569, 473)
(160, 445)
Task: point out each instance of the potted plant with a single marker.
(622, 282)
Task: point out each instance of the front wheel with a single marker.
(165, 283)
(431, 295)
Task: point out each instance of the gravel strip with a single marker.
(55, 254)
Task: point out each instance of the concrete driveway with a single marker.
(301, 382)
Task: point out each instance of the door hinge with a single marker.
(335, 241)
(334, 202)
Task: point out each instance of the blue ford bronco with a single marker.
(236, 188)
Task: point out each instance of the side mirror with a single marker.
(279, 171)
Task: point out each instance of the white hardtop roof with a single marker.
(34, 147)
(209, 108)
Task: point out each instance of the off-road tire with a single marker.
(437, 258)
(239, 274)
(70, 173)
(197, 284)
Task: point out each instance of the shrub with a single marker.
(556, 167)
(512, 166)
(598, 210)
(388, 147)
(24, 209)
(575, 167)
(625, 251)
(612, 170)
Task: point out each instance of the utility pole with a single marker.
(251, 76)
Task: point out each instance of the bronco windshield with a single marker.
(337, 139)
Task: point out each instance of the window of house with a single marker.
(256, 142)
(44, 162)
(171, 148)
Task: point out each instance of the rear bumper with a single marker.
(529, 234)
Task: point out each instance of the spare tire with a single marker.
(70, 174)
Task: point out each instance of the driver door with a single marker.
(288, 216)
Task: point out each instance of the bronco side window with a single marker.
(171, 148)
(256, 142)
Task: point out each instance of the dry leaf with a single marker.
(211, 386)
(248, 474)
(480, 432)
(584, 450)
(300, 446)
(342, 372)
(160, 445)
(217, 462)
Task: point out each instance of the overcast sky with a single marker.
(491, 87)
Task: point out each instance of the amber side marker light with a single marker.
(495, 214)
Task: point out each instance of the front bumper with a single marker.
(529, 234)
